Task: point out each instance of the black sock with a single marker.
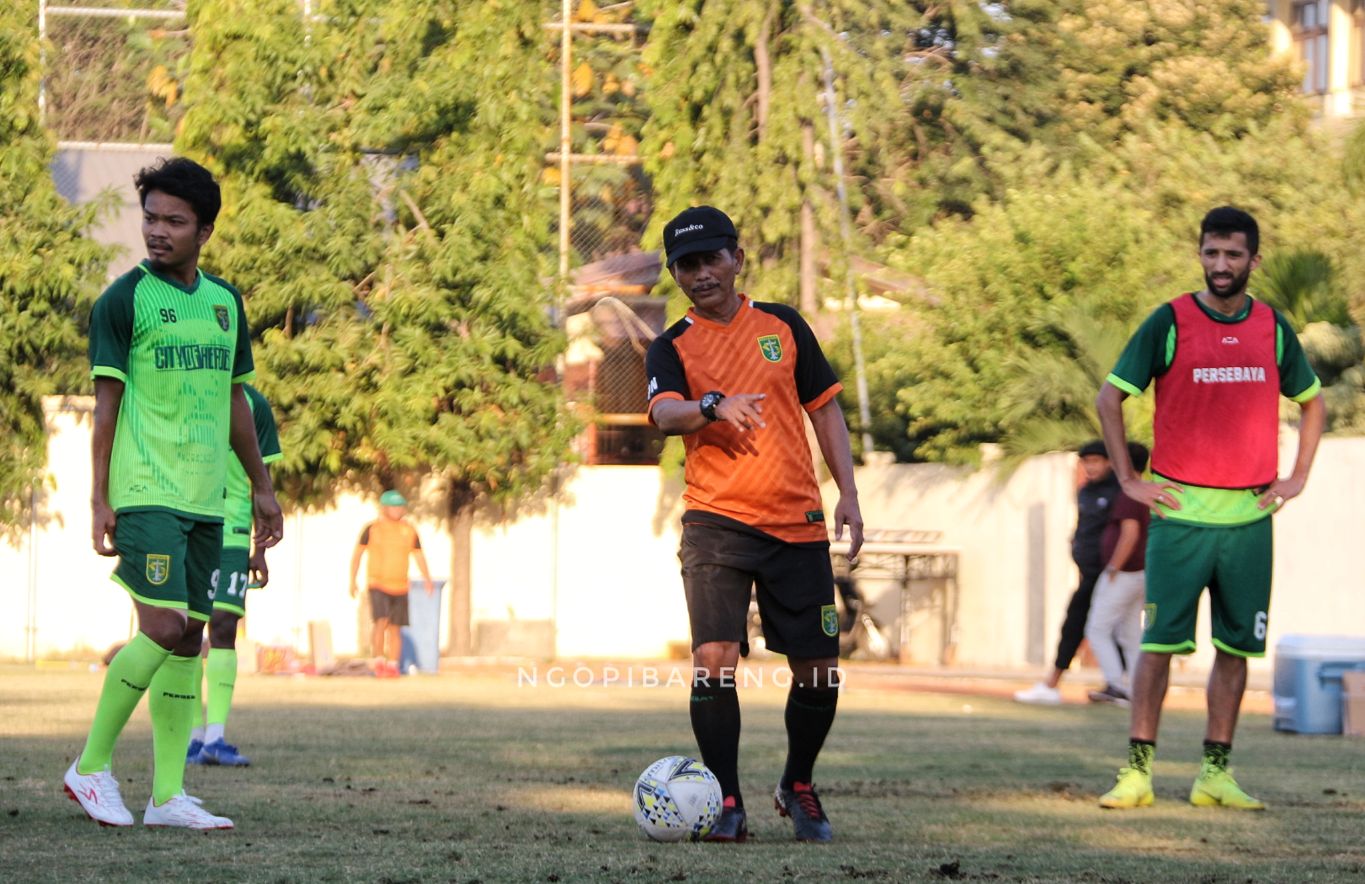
(715, 724)
(1216, 754)
(810, 712)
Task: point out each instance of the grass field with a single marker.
(469, 776)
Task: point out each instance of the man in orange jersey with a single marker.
(389, 541)
(734, 378)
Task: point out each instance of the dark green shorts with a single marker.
(230, 594)
(1234, 563)
(168, 560)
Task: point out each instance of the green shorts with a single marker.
(1233, 562)
(168, 560)
(230, 594)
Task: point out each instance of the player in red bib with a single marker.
(1220, 361)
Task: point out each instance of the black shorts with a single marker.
(385, 606)
(795, 590)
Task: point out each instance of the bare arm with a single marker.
(257, 568)
(832, 434)
(1311, 424)
(422, 567)
(1109, 404)
(266, 515)
(355, 568)
(108, 398)
(679, 417)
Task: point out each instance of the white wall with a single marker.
(611, 580)
(618, 591)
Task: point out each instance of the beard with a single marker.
(1231, 289)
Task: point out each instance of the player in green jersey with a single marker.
(240, 567)
(1220, 360)
(169, 353)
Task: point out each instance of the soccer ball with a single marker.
(677, 799)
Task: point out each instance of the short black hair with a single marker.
(1095, 447)
(186, 179)
(1227, 220)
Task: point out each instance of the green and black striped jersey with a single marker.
(238, 518)
(178, 350)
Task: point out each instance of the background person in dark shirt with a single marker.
(1093, 501)
(1114, 627)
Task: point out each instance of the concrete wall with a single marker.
(1016, 571)
(601, 565)
(82, 172)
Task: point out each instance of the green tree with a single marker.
(1205, 64)
(111, 79)
(1301, 285)
(739, 119)
(1049, 402)
(390, 239)
(1009, 293)
(1148, 115)
(50, 271)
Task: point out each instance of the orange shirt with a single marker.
(763, 479)
(387, 544)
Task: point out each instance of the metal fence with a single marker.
(605, 205)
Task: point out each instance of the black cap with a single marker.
(698, 229)
(1094, 446)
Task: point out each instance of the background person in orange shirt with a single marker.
(388, 541)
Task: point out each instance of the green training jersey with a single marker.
(1150, 353)
(237, 519)
(178, 350)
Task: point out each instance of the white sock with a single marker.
(213, 734)
(197, 734)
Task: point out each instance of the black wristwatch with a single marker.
(709, 401)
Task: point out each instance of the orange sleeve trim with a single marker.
(667, 394)
(819, 401)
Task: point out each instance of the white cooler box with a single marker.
(1307, 688)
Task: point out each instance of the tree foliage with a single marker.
(1097, 218)
(112, 79)
(49, 272)
(739, 120)
(1028, 298)
(386, 224)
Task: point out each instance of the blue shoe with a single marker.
(192, 756)
(803, 806)
(221, 753)
(732, 826)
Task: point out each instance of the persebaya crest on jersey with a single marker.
(158, 568)
(829, 619)
(220, 311)
(771, 347)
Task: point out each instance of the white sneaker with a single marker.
(98, 796)
(181, 812)
(1039, 695)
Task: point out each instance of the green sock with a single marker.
(171, 699)
(222, 673)
(1140, 755)
(198, 722)
(129, 673)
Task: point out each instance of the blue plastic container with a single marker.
(1307, 687)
